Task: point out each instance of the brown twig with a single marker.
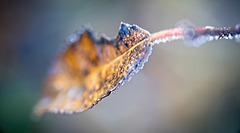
(197, 36)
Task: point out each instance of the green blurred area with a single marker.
(180, 89)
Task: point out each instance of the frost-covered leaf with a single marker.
(89, 69)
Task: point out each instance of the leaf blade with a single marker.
(109, 64)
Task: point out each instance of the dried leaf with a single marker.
(89, 69)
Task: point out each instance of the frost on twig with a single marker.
(197, 36)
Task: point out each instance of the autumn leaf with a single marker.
(89, 69)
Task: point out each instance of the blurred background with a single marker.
(180, 90)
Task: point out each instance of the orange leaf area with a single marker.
(90, 69)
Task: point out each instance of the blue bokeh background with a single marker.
(180, 89)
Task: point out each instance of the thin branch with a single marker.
(196, 36)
